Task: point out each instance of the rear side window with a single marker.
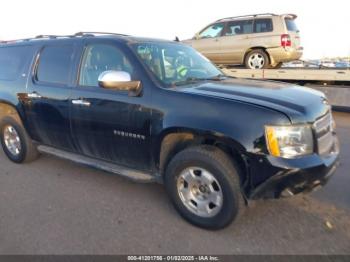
(291, 25)
(12, 60)
(55, 64)
(263, 25)
(239, 27)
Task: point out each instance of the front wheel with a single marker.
(204, 186)
(257, 59)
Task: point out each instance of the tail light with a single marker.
(286, 40)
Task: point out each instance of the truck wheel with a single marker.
(257, 59)
(15, 141)
(204, 186)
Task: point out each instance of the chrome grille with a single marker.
(324, 134)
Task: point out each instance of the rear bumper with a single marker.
(294, 176)
(281, 54)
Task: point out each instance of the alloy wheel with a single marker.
(200, 192)
(12, 140)
(256, 61)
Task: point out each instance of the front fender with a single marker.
(237, 124)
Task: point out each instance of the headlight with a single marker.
(289, 141)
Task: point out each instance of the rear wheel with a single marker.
(204, 186)
(15, 141)
(257, 59)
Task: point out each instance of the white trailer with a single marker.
(296, 75)
(335, 83)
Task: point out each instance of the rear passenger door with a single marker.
(236, 40)
(108, 124)
(48, 92)
(264, 34)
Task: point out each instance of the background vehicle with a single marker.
(257, 41)
(342, 64)
(154, 110)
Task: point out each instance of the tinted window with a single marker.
(12, 60)
(239, 27)
(54, 64)
(212, 31)
(99, 58)
(263, 25)
(291, 26)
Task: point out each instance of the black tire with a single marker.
(225, 172)
(261, 54)
(28, 151)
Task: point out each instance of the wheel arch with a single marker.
(175, 139)
(9, 109)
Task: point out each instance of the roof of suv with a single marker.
(80, 35)
(254, 16)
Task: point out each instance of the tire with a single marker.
(257, 59)
(199, 161)
(24, 150)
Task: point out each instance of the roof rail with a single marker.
(39, 37)
(243, 16)
(14, 41)
(53, 36)
(97, 33)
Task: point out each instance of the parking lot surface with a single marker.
(54, 206)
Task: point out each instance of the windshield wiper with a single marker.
(189, 80)
(218, 77)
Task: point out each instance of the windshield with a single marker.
(175, 64)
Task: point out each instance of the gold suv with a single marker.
(257, 41)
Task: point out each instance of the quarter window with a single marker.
(212, 31)
(99, 58)
(263, 25)
(12, 60)
(291, 25)
(239, 27)
(55, 64)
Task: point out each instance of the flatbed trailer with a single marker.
(335, 83)
(335, 76)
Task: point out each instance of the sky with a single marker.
(324, 25)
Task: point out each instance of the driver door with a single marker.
(208, 42)
(108, 124)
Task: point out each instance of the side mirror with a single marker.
(196, 36)
(121, 81)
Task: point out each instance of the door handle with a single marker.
(80, 102)
(33, 95)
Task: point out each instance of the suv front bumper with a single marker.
(294, 176)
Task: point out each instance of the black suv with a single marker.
(155, 110)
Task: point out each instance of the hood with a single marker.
(300, 104)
